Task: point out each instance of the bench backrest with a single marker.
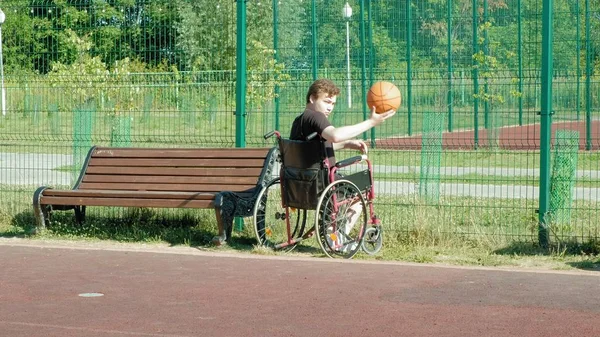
(164, 169)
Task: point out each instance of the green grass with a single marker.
(457, 231)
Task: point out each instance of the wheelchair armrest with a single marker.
(351, 161)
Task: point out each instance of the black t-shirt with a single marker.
(309, 122)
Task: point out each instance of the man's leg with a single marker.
(353, 215)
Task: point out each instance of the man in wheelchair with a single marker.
(320, 102)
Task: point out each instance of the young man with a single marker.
(320, 102)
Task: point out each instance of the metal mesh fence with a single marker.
(162, 73)
(563, 175)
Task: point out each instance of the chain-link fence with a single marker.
(461, 158)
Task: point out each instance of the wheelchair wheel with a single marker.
(373, 240)
(270, 224)
(341, 219)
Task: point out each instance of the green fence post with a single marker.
(449, 50)
(475, 79)
(363, 63)
(520, 57)
(578, 47)
(546, 123)
(240, 84)
(486, 53)
(409, 65)
(314, 39)
(371, 61)
(240, 71)
(588, 78)
(276, 57)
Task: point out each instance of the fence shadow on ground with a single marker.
(21, 225)
(136, 225)
(586, 249)
(194, 229)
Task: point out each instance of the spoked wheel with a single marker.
(373, 240)
(341, 219)
(270, 224)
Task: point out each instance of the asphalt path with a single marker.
(84, 289)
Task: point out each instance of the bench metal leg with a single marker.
(41, 212)
(42, 217)
(221, 237)
(79, 214)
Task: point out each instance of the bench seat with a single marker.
(164, 178)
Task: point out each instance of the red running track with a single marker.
(186, 292)
(525, 137)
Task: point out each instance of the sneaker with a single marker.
(334, 239)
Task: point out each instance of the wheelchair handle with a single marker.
(311, 136)
(271, 133)
(351, 161)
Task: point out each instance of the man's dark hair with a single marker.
(322, 86)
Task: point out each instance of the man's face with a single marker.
(324, 103)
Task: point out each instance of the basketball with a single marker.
(384, 96)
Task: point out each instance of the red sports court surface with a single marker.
(186, 292)
(525, 137)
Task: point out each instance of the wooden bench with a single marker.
(226, 179)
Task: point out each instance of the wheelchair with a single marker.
(344, 219)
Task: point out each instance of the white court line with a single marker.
(76, 328)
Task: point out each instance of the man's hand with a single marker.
(380, 118)
(355, 144)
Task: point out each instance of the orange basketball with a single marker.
(384, 96)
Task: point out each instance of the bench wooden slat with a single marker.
(127, 202)
(179, 171)
(136, 179)
(180, 153)
(165, 187)
(161, 162)
(130, 194)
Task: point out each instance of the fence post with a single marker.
(363, 62)
(276, 57)
(240, 85)
(486, 53)
(546, 123)
(371, 62)
(588, 77)
(314, 39)
(449, 49)
(520, 56)
(240, 71)
(578, 47)
(409, 65)
(475, 80)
